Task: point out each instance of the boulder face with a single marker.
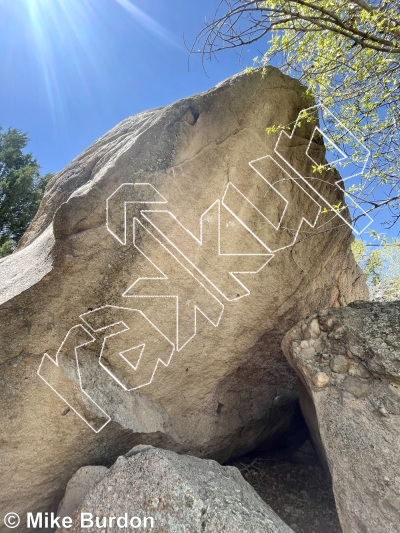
(159, 277)
(78, 487)
(172, 493)
(349, 362)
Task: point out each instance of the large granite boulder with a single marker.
(159, 278)
(348, 360)
(78, 487)
(171, 493)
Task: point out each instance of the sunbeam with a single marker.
(59, 28)
(71, 41)
(148, 23)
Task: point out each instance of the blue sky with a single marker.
(72, 69)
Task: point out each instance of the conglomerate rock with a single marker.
(348, 360)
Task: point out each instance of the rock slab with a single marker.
(182, 494)
(348, 360)
(78, 486)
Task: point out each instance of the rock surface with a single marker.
(78, 486)
(182, 494)
(84, 274)
(348, 360)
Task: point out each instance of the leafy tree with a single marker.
(381, 266)
(348, 55)
(21, 188)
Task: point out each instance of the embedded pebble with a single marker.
(339, 364)
(356, 350)
(320, 380)
(359, 371)
(314, 328)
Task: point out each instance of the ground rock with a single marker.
(87, 285)
(183, 494)
(354, 415)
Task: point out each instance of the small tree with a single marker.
(21, 188)
(348, 55)
(381, 266)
